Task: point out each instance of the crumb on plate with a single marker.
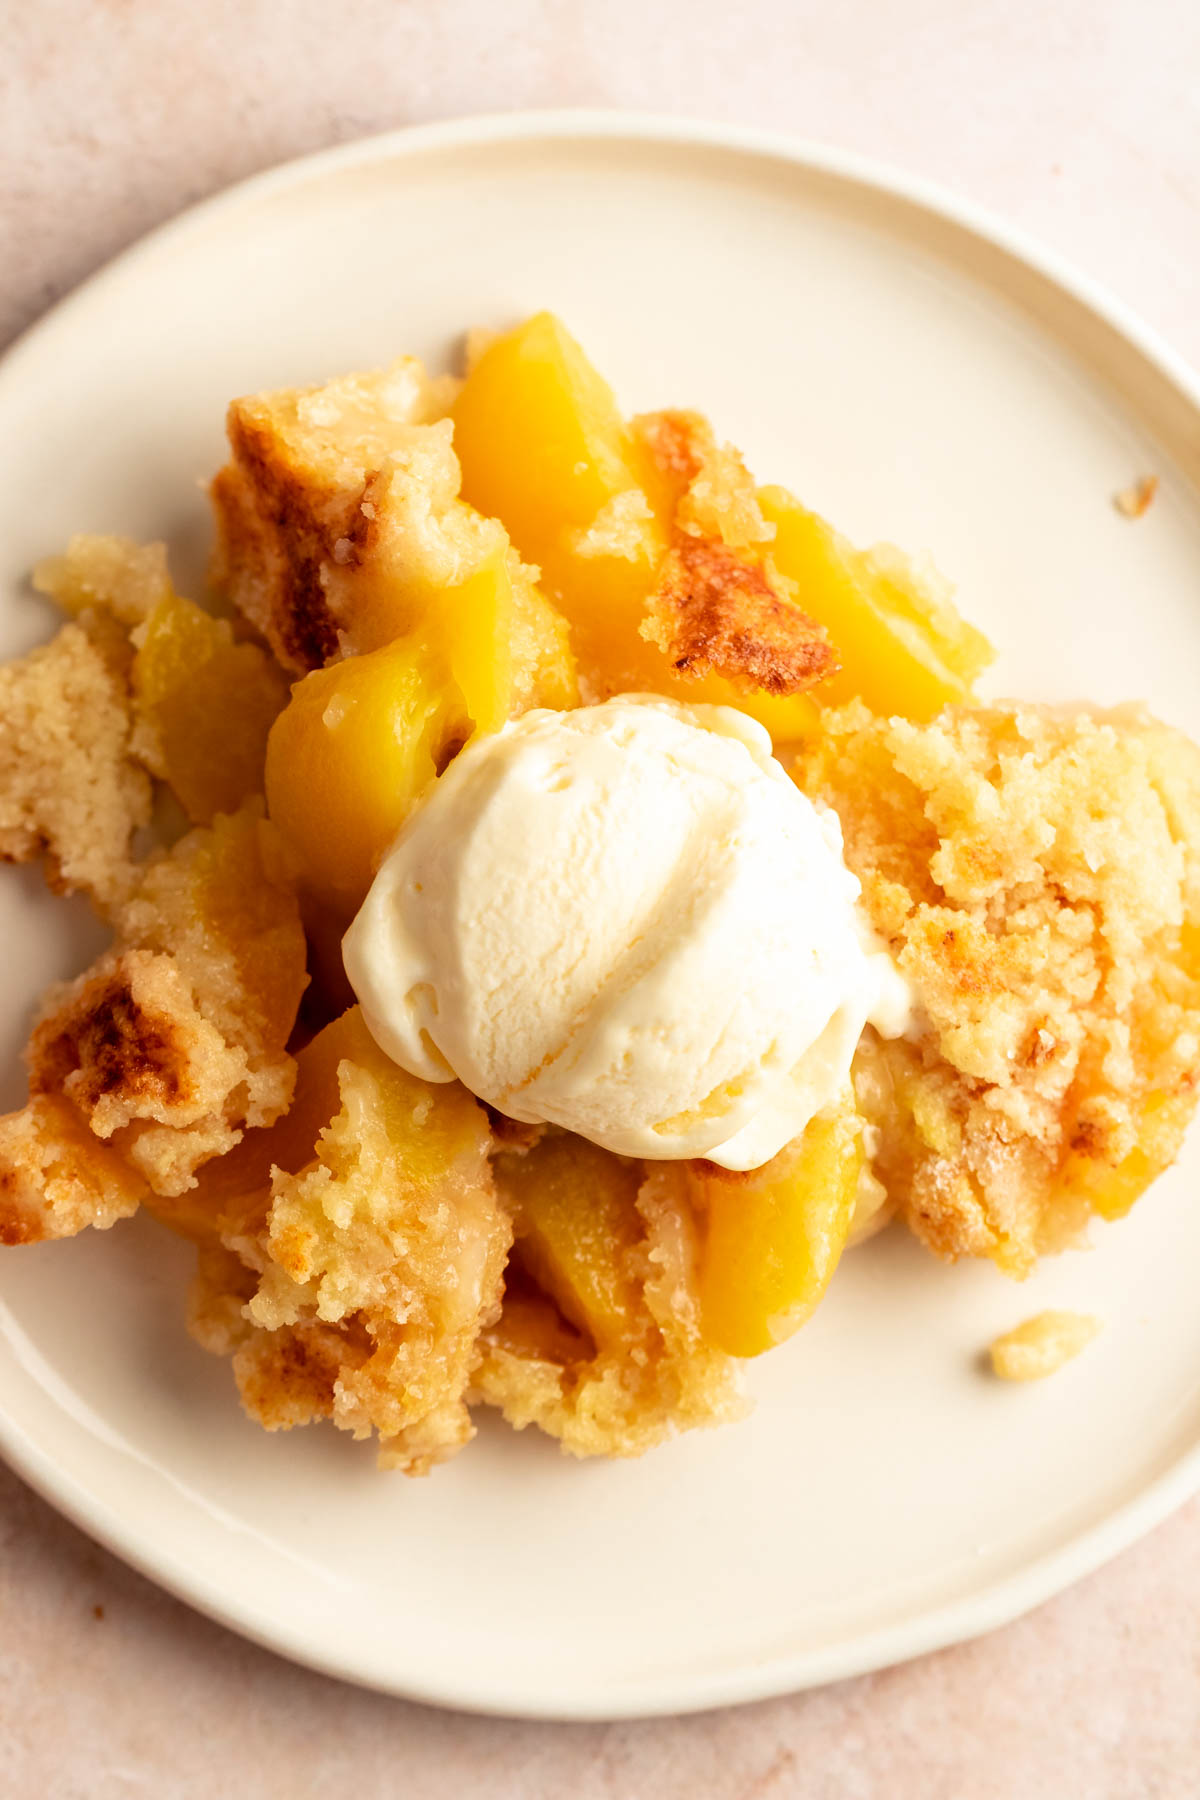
(1041, 1345)
(1131, 502)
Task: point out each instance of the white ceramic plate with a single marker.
(920, 377)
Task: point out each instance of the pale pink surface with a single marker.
(1079, 120)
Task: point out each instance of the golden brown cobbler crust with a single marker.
(278, 534)
(341, 502)
(1037, 875)
(716, 611)
(295, 506)
(718, 606)
(156, 1058)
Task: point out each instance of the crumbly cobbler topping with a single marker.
(407, 561)
(1037, 875)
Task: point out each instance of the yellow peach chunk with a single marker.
(774, 1235)
(532, 1328)
(474, 624)
(535, 390)
(204, 705)
(351, 753)
(904, 649)
(502, 643)
(575, 1217)
(544, 448)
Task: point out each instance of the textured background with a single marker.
(1078, 119)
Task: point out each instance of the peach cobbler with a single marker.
(562, 894)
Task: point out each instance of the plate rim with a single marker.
(774, 1674)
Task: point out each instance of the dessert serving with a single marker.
(562, 894)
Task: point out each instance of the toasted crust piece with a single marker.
(294, 517)
(55, 1178)
(338, 516)
(69, 791)
(710, 489)
(128, 1046)
(1037, 875)
(361, 1295)
(719, 607)
(717, 611)
(126, 1041)
(169, 1045)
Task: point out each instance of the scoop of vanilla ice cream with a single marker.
(626, 921)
